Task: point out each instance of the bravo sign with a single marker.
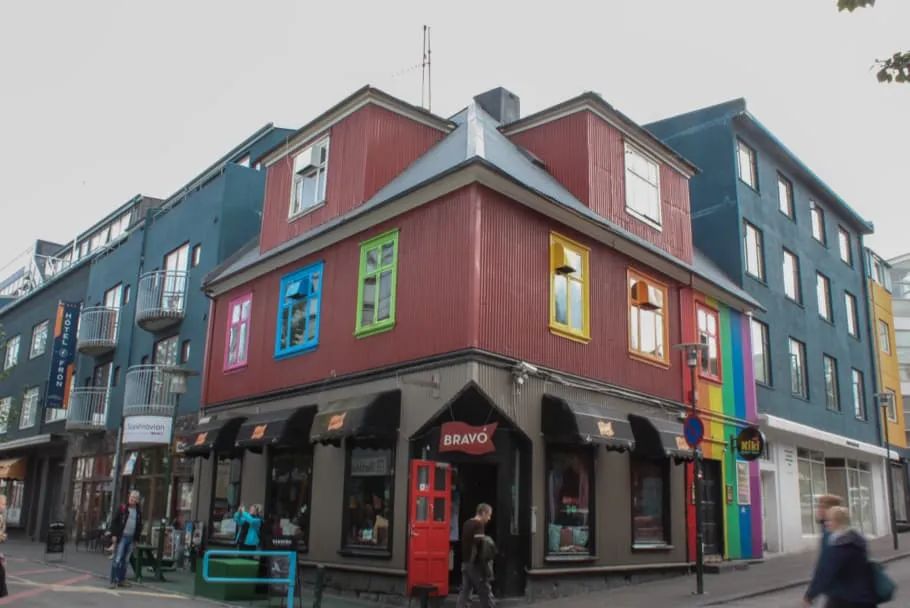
(461, 437)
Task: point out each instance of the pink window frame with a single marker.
(238, 301)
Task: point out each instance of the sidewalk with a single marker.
(774, 574)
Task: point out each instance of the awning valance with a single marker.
(371, 418)
(574, 422)
(283, 427)
(659, 438)
(215, 435)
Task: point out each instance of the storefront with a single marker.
(12, 485)
(803, 464)
(91, 497)
(143, 470)
(584, 486)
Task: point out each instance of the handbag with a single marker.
(883, 584)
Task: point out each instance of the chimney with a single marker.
(501, 104)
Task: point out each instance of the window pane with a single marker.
(369, 300)
(575, 298)
(785, 196)
(372, 260)
(791, 276)
(649, 502)
(561, 296)
(226, 499)
(569, 502)
(823, 296)
(288, 505)
(385, 296)
(368, 498)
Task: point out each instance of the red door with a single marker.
(429, 525)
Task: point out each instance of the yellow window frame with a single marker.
(562, 253)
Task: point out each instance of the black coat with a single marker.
(844, 573)
(118, 522)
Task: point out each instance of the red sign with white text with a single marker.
(461, 437)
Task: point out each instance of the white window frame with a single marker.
(823, 296)
(801, 391)
(817, 212)
(318, 171)
(11, 353)
(794, 272)
(884, 337)
(859, 397)
(6, 405)
(744, 152)
(29, 414)
(850, 305)
(785, 197)
(832, 383)
(759, 251)
(42, 342)
(844, 246)
(652, 216)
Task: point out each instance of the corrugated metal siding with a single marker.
(428, 283)
(366, 151)
(515, 303)
(587, 156)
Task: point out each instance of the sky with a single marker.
(101, 100)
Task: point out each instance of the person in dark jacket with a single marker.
(845, 575)
(821, 513)
(125, 526)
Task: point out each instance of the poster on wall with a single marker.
(743, 488)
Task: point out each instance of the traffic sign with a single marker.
(693, 430)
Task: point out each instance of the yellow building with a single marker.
(886, 362)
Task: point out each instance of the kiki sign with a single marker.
(750, 443)
(461, 437)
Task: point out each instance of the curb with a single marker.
(788, 585)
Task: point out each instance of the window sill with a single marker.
(287, 354)
(366, 332)
(656, 225)
(799, 397)
(828, 321)
(757, 279)
(766, 385)
(234, 369)
(718, 380)
(307, 211)
(652, 547)
(368, 553)
(748, 185)
(569, 559)
(792, 301)
(558, 330)
(641, 358)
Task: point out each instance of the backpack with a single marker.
(883, 584)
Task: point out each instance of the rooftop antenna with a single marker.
(426, 76)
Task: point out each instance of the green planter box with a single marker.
(228, 567)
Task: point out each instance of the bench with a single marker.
(227, 567)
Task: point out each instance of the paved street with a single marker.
(46, 585)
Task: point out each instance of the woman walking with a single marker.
(3, 590)
(845, 576)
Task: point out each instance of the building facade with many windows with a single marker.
(440, 312)
(770, 223)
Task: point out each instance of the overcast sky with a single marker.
(102, 100)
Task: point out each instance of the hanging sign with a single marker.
(750, 443)
(461, 437)
(63, 355)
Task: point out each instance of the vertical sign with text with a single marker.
(63, 355)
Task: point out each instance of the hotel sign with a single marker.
(63, 355)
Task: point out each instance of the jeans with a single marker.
(121, 559)
(472, 579)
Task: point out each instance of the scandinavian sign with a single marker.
(63, 355)
(750, 443)
(461, 437)
(148, 430)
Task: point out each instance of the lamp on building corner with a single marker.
(885, 403)
(177, 384)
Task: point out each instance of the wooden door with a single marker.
(429, 525)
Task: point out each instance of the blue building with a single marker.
(795, 246)
(144, 312)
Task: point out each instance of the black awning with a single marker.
(575, 422)
(283, 427)
(216, 435)
(371, 418)
(658, 438)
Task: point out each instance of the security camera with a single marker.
(519, 380)
(527, 368)
(682, 415)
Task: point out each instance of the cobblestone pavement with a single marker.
(46, 585)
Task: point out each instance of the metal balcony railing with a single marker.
(98, 330)
(161, 301)
(88, 408)
(900, 290)
(147, 391)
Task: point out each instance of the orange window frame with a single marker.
(634, 310)
(708, 311)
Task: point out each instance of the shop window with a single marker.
(225, 499)
(288, 505)
(570, 298)
(14, 491)
(377, 284)
(812, 484)
(648, 318)
(91, 495)
(298, 311)
(570, 501)
(369, 485)
(650, 501)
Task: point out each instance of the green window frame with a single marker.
(378, 274)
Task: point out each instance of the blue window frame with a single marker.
(298, 311)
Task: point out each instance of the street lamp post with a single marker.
(177, 381)
(885, 401)
(692, 351)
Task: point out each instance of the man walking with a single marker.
(474, 573)
(821, 509)
(125, 525)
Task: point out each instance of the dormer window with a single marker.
(310, 174)
(642, 186)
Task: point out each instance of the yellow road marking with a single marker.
(93, 589)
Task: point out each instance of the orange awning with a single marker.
(14, 468)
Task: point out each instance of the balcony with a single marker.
(148, 391)
(161, 299)
(98, 329)
(87, 409)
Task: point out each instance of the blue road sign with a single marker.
(693, 430)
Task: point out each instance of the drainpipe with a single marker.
(115, 468)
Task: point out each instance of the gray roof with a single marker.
(477, 139)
